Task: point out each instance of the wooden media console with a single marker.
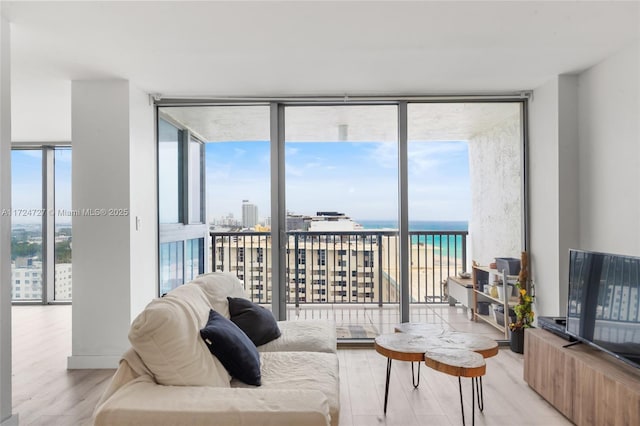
(587, 385)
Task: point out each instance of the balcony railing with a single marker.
(343, 267)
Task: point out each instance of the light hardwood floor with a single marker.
(46, 393)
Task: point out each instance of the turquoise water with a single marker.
(440, 245)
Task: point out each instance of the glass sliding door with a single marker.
(181, 203)
(26, 225)
(239, 196)
(170, 170)
(464, 191)
(226, 162)
(341, 166)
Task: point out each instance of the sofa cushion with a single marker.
(166, 336)
(144, 403)
(217, 286)
(304, 371)
(257, 322)
(304, 335)
(233, 348)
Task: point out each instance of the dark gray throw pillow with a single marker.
(233, 348)
(257, 322)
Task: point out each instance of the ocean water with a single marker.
(441, 245)
(417, 225)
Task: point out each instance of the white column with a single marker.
(113, 195)
(553, 171)
(143, 190)
(6, 416)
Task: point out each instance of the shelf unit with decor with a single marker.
(480, 276)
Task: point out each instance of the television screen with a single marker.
(604, 302)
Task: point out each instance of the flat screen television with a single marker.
(604, 302)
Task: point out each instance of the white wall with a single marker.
(495, 227)
(609, 122)
(6, 417)
(101, 251)
(41, 110)
(114, 256)
(584, 171)
(553, 168)
(568, 185)
(143, 194)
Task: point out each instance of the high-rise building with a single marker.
(249, 214)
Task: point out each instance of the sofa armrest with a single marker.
(142, 402)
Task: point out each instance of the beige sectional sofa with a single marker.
(169, 376)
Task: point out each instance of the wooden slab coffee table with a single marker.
(451, 352)
(402, 347)
(460, 363)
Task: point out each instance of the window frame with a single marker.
(47, 279)
(184, 230)
(277, 140)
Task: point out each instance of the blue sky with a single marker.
(26, 183)
(356, 178)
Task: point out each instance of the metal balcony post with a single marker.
(296, 255)
(380, 270)
(213, 252)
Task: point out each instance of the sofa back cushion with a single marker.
(166, 336)
(217, 286)
(195, 298)
(257, 322)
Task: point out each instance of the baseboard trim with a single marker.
(92, 362)
(11, 421)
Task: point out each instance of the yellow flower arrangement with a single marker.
(524, 313)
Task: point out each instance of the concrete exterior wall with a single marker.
(609, 126)
(6, 417)
(495, 227)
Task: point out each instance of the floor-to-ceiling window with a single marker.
(236, 209)
(181, 187)
(41, 240)
(62, 227)
(26, 224)
(453, 169)
(464, 190)
(341, 180)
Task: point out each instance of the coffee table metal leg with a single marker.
(386, 387)
(461, 402)
(413, 377)
(473, 406)
(479, 392)
(473, 399)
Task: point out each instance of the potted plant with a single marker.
(523, 310)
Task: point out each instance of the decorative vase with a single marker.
(517, 340)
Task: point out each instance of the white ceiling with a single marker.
(298, 48)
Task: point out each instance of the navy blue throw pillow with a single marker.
(233, 348)
(257, 322)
